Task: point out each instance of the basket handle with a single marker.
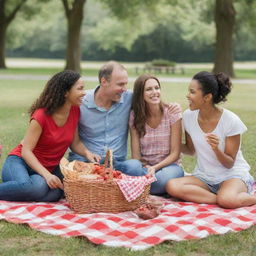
(109, 162)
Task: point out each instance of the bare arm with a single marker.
(78, 147)
(135, 144)
(188, 147)
(175, 145)
(228, 157)
(30, 140)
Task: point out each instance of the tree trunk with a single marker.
(73, 51)
(3, 28)
(5, 20)
(224, 21)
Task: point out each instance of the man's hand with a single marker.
(174, 108)
(92, 157)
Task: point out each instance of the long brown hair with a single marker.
(139, 106)
(53, 95)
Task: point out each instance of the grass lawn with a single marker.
(16, 97)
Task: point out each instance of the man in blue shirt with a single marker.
(104, 119)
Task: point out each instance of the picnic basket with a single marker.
(88, 196)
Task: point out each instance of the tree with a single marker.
(8, 11)
(225, 22)
(74, 15)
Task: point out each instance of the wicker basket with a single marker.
(88, 196)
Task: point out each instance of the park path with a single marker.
(95, 79)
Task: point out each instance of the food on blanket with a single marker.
(147, 211)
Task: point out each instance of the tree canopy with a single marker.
(134, 30)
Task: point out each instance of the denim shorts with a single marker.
(214, 188)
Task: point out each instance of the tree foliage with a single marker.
(129, 8)
(8, 11)
(181, 30)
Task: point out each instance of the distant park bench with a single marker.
(160, 70)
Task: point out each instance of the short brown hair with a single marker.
(107, 69)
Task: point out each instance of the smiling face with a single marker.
(195, 96)
(116, 85)
(152, 92)
(75, 95)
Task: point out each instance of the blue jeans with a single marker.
(163, 176)
(132, 167)
(21, 183)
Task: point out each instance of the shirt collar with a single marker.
(89, 98)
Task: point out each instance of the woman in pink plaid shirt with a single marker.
(155, 133)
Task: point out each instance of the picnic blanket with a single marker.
(177, 221)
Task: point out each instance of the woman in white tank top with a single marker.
(213, 134)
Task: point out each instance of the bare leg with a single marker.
(233, 194)
(191, 189)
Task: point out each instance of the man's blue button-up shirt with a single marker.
(101, 129)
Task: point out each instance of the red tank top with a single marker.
(54, 140)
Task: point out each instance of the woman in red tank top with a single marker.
(31, 171)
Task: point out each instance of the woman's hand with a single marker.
(151, 169)
(53, 181)
(92, 157)
(213, 141)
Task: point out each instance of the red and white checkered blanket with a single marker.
(177, 221)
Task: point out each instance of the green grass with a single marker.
(16, 97)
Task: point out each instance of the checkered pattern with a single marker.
(177, 221)
(155, 144)
(132, 186)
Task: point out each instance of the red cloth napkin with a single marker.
(133, 186)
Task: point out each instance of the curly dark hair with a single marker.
(53, 95)
(219, 85)
(139, 105)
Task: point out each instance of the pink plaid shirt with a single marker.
(155, 145)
